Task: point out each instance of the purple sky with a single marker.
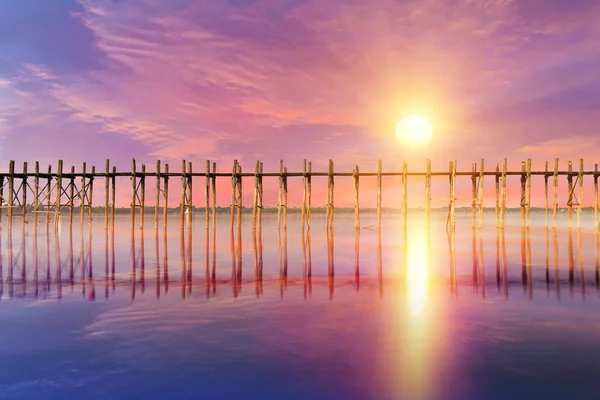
(293, 79)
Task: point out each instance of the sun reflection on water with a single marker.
(417, 274)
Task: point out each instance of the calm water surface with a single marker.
(216, 314)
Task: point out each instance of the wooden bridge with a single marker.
(55, 191)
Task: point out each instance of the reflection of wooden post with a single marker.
(379, 168)
(580, 202)
(143, 196)
(497, 181)
(404, 192)
(480, 195)
(503, 205)
(356, 209)
(596, 196)
(428, 192)
(474, 195)
(528, 206)
(546, 189)
(58, 193)
(571, 189)
(555, 194)
(285, 198)
(166, 196)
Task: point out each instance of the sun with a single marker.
(414, 131)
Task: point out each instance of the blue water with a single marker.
(397, 326)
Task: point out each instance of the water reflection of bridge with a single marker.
(53, 270)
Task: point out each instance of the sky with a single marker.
(87, 80)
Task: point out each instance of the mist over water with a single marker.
(301, 314)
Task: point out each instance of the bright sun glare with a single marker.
(414, 131)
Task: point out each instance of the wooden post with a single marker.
(379, 181)
(303, 211)
(523, 194)
(555, 194)
(280, 194)
(255, 196)
(239, 196)
(596, 196)
(190, 197)
(133, 194)
(91, 193)
(24, 194)
(71, 192)
(143, 196)
(11, 183)
(503, 206)
(404, 192)
(183, 194)
(452, 194)
(83, 194)
(285, 198)
(428, 192)
(308, 209)
(106, 194)
(356, 205)
(331, 198)
(480, 194)
(528, 206)
(58, 193)
(474, 195)
(571, 189)
(36, 191)
(259, 204)
(214, 192)
(207, 194)
(580, 202)
(233, 199)
(166, 196)
(113, 182)
(157, 196)
(546, 176)
(497, 181)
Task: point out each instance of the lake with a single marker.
(216, 314)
